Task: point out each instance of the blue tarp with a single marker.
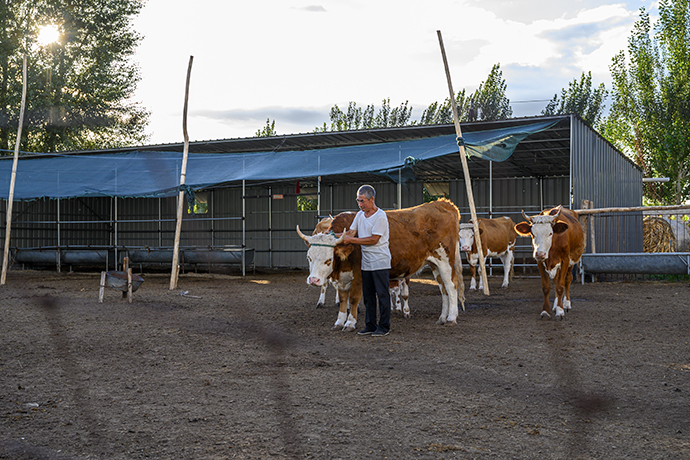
(157, 174)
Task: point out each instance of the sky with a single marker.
(292, 60)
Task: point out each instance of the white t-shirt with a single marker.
(375, 256)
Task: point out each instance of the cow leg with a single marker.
(559, 281)
(507, 259)
(481, 279)
(405, 294)
(355, 296)
(568, 280)
(395, 293)
(448, 281)
(473, 281)
(342, 313)
(444, 296)
(337, 296)
(546, 289)
(322, 297)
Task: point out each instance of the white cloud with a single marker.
(291, 61)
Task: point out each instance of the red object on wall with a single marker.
(297, 191)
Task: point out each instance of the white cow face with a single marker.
(466, 237)
(320, 255)
(541, 229)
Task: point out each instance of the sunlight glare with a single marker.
(48, 34)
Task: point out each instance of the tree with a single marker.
(581, 99)
(490, 99)
(488, 102)
(80, 87)
(267, 131)
(368, 118)
(438, 114)
(650, 113)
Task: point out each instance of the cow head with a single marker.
(541, 228)
(321, 254)
(467, 236)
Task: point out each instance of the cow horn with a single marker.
(302, 235)
(342, 237)
(528, 219)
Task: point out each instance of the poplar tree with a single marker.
(650, 113)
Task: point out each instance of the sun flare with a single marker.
(48, 34)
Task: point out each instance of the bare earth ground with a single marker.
(248, 368)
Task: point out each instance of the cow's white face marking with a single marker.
(320, 256)
(466, 237)
(542, 236)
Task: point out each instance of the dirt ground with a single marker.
(248, 368)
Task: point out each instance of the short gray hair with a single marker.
(367, 190)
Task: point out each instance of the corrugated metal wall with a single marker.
(607, 178)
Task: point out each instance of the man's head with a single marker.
(366, 196)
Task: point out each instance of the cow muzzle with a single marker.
(314, 281)
(465, 249)
(540, 256)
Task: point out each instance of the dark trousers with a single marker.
(375, 285)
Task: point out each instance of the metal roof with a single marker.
(543, 154)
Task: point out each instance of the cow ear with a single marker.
(523, 229)
(560, 227)
(343, 251)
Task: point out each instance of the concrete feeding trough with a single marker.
(118, 280)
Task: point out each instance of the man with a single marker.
(371, 226)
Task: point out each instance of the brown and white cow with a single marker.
(322, 227)
(558, 241)
(423, 235)
(498, 240)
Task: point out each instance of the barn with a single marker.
(245, 196)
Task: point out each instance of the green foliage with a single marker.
(267, 131)
(581, 99)
(438, 114)
(79, 88)
(490, 98)
(368, 118)
(306, 203)
(650, 114)
(489, 102)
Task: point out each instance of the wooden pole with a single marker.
(10, 198)
(468, 184)
(180, 199)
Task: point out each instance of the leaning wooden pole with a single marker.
(468, 184)
(10, 198)
(183, 176)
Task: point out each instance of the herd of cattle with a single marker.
(431, 235)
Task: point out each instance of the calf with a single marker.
(558, 241)
(498, 240)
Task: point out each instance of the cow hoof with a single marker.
(336, 327)
(406, 315)
(545, 314)
(451, 323)
(348, 329)
(319, 305)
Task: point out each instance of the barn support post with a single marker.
(270, 227)
(318, 197)
(244, 226)
(10, 198)
(468, 184)
(180, 198)
(59, 239)
(115, 241)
